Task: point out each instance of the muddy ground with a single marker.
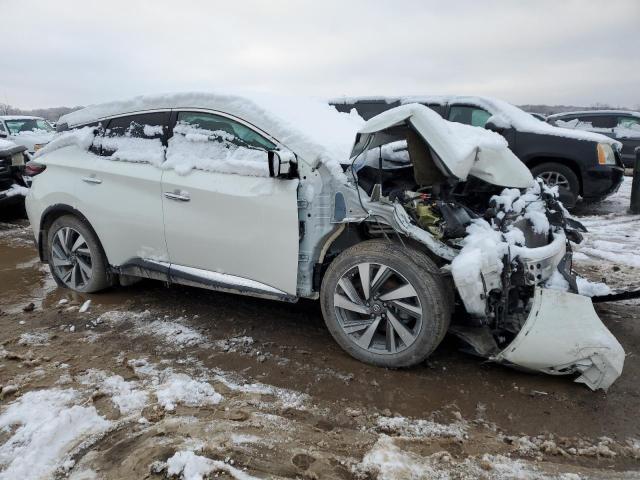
(293, 404)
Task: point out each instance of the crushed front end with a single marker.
(507, 250)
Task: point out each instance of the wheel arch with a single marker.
(352, 235)
(567, 162)
(50, 215)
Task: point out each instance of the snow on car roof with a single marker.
(597, 112)
(19, 117)
(504, 114)
(309, 127)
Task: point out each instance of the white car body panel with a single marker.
(563, 335)
(234, 224)
(124, 208)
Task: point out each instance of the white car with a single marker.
(31, 132)
(392, 224)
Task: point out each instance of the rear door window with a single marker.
(598, 121)
(469, 115)
(139, 138)
(627, 127)
(217, 143)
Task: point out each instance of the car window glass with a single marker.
(468, 115)
(2, 129)
(215, 143)
(134, 138)
(598, 121)
(627, 127)
(19, 126)
(223, 127)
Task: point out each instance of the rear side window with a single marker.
(136, 138)
(598, 121)
(468, 115)
(211, 142)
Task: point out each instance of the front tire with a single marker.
(553, 174)
(75, 256)
(384, 304)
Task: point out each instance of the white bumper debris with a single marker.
(564, 335)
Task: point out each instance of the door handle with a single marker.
(178, 196)
(91, 180)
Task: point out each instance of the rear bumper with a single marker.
(601, 181)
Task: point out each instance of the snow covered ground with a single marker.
(611, 249)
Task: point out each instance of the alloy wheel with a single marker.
(71, 258)
(378, 308)
(555, 178)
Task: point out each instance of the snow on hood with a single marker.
(6, 144)
(465, 150)
(315, 131)
(506, 115)
(31, 139)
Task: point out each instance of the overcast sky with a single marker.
(67, 52)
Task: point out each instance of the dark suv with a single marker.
(12, 161)
(621, 125)
(582, 164)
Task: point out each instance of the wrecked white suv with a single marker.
(421, 227)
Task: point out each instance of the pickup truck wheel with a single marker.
(75, 256)
(384, 304)
(557, 174)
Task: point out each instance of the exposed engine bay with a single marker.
(504, 239)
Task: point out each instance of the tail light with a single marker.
(32, 168)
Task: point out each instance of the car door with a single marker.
(119, 189)
(226, 221)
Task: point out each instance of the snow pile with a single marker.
(15, 190)
(190, 466)
(173, 388)
(178, 388)
(81, 138)
(309, 127)
(285, 398)
(132, 149)
(44, 430)
(127, 396)
(34, 339)
(421, 428)
(387, 461)
(172, 332)
(192, 147)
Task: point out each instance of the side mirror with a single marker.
(493, 127)
(496, 124)
(281, 163)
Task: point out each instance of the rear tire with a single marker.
(558, 174)
(400, 316)
(76, 258)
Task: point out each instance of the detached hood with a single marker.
(463, 150)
